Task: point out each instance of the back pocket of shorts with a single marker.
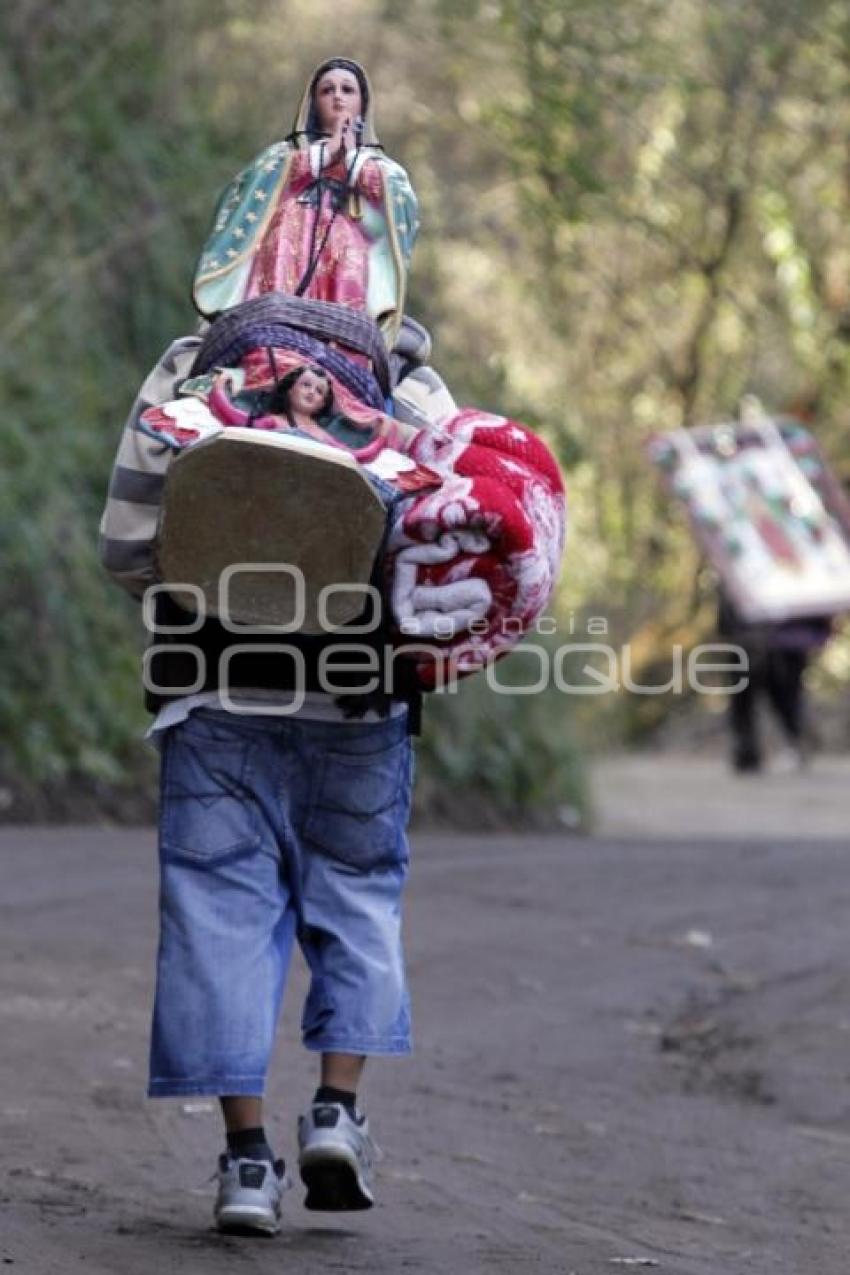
(359, 809)
(208, 811)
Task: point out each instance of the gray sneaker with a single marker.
(336, 1158)
(249, 1195)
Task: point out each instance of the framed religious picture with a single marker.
(767, 511)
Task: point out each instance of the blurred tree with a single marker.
(632, 215)
(97, 204)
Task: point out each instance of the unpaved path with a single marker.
(624, 1050)
(675, 796)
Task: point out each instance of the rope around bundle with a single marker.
(258, 322)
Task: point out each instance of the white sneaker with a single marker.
(249, 1195)
(336, 1158)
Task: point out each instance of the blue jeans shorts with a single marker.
(274, 829)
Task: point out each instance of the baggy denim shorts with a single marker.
(273, 829)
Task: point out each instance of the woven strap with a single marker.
(359, 380)
(322, 320)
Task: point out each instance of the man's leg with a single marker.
(785, 690)
(354, 859)
(227, 930)
(244, 1131)
(340, 1076)
(786, 694)
(243, 1126)
(241, 1112)
(342, 1071)
(250, 1181)
(746, 752)
(336, 1150)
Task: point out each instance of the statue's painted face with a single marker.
(337, 96)
(309, 395)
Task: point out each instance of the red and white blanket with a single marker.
(472, 565)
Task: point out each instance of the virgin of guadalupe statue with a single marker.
(324, 214)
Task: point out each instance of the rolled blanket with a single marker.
(473, 564)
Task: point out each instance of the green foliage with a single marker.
(94, 286)
(633, 213)
(488, 758)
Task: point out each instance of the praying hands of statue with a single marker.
(342, 140)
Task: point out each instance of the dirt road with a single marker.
(671, 796)
(627, 1054)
